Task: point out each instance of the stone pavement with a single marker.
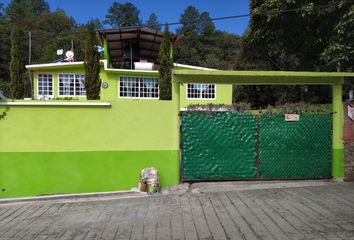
(297, 210)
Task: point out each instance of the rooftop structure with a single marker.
(125, 46)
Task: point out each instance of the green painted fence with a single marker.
(223, 145)
(219, 145)
(295, 150)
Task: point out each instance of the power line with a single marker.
(180, 23)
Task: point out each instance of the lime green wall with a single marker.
(223, 96)
(112, 78)
(71, 149)
(36, 173)
(55, 71)
(134, 125)
(223, 91)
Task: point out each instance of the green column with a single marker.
(176, 101)
(337, 141)
(105, 51)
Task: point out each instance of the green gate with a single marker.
(218, 145)
(295, 150)
(233, 145)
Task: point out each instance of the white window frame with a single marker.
(37, 80)
(74, 85)
(200, 98)
(158, 89)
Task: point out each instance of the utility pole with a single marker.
(29, 47)
(72, 46)
(29, 60)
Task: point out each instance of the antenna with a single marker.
(60, 52)
(69, 56)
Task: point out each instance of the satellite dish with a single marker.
(60, 52)
(69, 54)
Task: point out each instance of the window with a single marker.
(200, 91)
(138, 87)
(44, 85)
(72, 85)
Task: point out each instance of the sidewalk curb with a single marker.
(123, 194)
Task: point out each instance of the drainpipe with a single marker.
(337, 138)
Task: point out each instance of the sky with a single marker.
(166, 10)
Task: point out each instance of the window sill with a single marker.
(46, 103)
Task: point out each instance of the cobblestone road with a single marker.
(312, 212)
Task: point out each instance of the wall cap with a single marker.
(45, 103)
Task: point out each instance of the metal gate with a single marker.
(218, 145)
(295, 150)
(233, 145)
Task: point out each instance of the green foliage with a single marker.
(166, 65)
(339, 53)
(189, 20)
(319, 39)
(153, 22)
(123, 15)
(50, 31)
(313, 33)
(202, 45)
(92, 64)
(16, 64)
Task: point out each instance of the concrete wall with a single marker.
(223, 95)
(67, 149)
(349, 161)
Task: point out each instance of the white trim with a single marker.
(106, 68)
(45, 96)
(33, 66)
(201, 98)
(192, 67)
(105, 64)
(158, 90)
(58, 89)
(46, 103)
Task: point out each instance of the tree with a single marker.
(166, 65)
(153, 22)
(16, 64)
(123, 15)
(201, 44)
(339, 54)
(190, 20)
(314, 26)
(206, 25)
(92, 65)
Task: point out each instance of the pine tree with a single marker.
(92, 65)
(16, 64)
(166, 65)
(153, 22)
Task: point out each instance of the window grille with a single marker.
(72, 85)
(200, 91)
(44, 85)
(138, 87)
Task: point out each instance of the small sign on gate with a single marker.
(351, 111)
(292, 117)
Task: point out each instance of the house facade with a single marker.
(59, 142)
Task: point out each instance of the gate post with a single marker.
(176, 131)
(337, 138)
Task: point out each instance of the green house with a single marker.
(59, 142)
(128, 71)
